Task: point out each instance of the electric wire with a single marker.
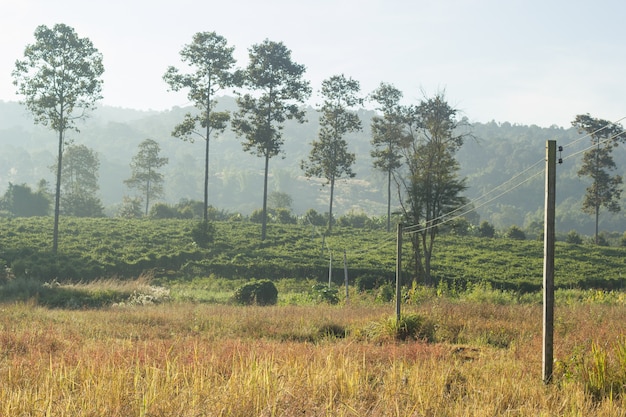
(593, 146)
(485, 195)
(593, 133)
(449, 219)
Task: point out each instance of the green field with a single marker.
(105, 248)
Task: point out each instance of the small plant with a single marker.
(261, 293)
(410, 326)
(324, 294)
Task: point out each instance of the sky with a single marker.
(538, 62)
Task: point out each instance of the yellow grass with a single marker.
(208, 360)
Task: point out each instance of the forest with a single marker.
(498, 153)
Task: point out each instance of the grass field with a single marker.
(472, 358)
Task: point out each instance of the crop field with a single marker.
(134, 319)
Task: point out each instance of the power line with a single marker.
(593, 133)
(593, 145)
(472, 203)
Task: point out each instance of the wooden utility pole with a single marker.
(345, 271)
(548, 262)
(398, 272)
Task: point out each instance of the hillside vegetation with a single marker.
(500, 152)
(104, 248)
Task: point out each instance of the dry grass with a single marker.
(207, 360)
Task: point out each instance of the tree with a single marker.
(430, 188)
(279, 88)
(79, 180)
(145, 176)
(279, 200)
(21, 201)
(605, 190)
(60, 80)
(388, 135)
(212, 61)
(329, 157)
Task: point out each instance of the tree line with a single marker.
(415, 145)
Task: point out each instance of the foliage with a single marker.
(312, 217)
(329, 157)
(514, 232)
(59, 78)
(278, 87)
(430, 187)
(212, 62)
(605, 190)
(203, 233)
(367, 282)
(262, 293)
(486, 229)
(79, 182)
(145, 176)
(388, 135)
(573, 238)
(21, 201)
(409, 327)
(322, 293)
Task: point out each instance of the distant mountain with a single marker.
(500, 152)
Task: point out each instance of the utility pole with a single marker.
(398, 272)
(548, 262)
(345, 271)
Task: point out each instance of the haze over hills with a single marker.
(499, 153)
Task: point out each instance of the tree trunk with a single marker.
(330, 209)
(264, 213)
(388, 201)
(57, 195)
(205, 212)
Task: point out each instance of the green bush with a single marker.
(486, 230)
(367, 282)
(322, 293)
(516, 233)
(574, 238)
(203, 234)
(261, 293)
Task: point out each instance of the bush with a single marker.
(163, 211)
(203, 234)
(322, 293)
(486, 230)
(516, 233)
(367, 282)
(574, 238)
(261, 293)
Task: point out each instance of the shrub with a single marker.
(284, 216)
(203, 234)
(163, 211)
(322, 293)
(516, 233)
(386, 293)
(486, 230)
(367, 282)
(574, 238)
(356, 220)
(261, 293)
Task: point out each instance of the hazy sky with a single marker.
(522, 61)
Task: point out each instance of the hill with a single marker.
(500, 152)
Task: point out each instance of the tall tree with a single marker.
(430, 187)
(145, 175)
(212, 62)
(79, 180)
(388, 135)
(60, 80)
(605, 189)
(329, 157)
(278, 88)
(21, 201)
